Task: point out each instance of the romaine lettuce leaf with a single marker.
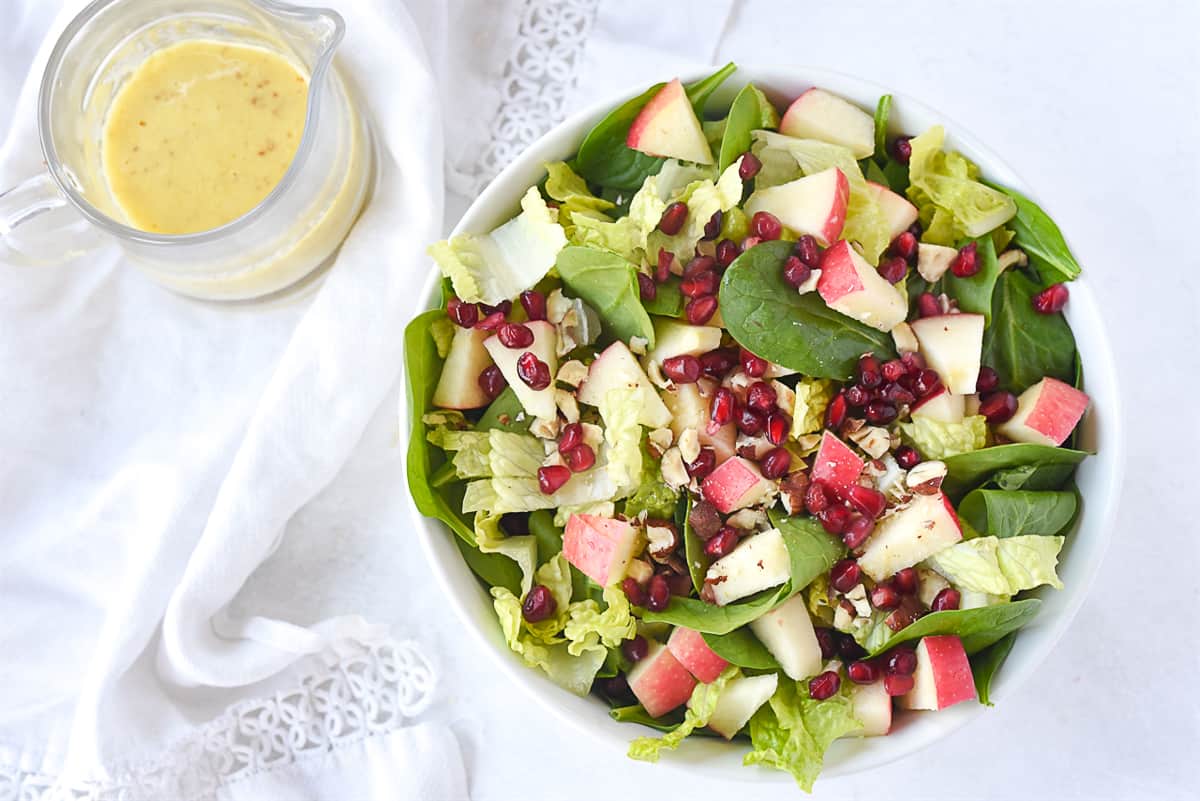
(812, 396)
(587, 625)
(1000, 566)
(486, 454)
(521, 549)
(938, 440)
(700, 708)
(653, 496)
(571, 192)
(952, 202)
(619, 409)
(572, 673)
(442, 331)
(704, 198)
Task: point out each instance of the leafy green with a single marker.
(588, 625)
(799, 332)
(698, 561)
(996, 566)
(792, 731)
(570, 191)
(505, 413)
(1041, 240)
(1033, 477)
(619, 409)
(607, 283)
(522, 549)
(668, 300)
(974, 294)
(812, 398)
(494, 569)
(638, 714)
(969, 470)
(1012, 513)
(987, 662)
(977, 628)
(751, 110)
(704, 198)
(938, 440)
(883, 110)
(1022, 344)
(944, 187)
(653, 496)
(700, 708)
(740, 647)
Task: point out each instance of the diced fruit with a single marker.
(536, 402)
(759, 562)
(943, 406)
(1047, 413)
(909, 535)
(899, 213)
(735, 484)
(836, 465)
(689, 406)
(818, 114)
(814, 204)
(872, 707)
(934, 260)
(677, 339)
(850, 285)
(738, 702)
(458, 387)
(690, 649)
(667, 127)
(930, 583)
(787, 632)
(943, 675)
(952, 344)
(616, 367)
(660, 682)
(600, 547)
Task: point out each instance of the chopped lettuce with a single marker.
(442, 331)
(619, 409)
(952, 203)
(812, 396)
(653, 496)
(521, 549)
(1000, 566)
(700, 708)
(487, 454)
(938, 440)
(572, 673)
(494, 267)
(572, 194)
(511, 494)
(587, 625)
(821, 604)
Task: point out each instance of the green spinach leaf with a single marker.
(751, 110)
(1011, 514)
(1041, 240)
(494, 569)
(740, 647)
(974, 294)
(1032, 477)
(638, 714)
(883, 110)
(968, 470)
(977, 628)
(505, 413)
(698, 561)
(609, 285)
(1021, 344)
(800, 332)
(987, 662)
(668, 301)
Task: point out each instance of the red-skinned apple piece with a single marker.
(943, 675)
(836, 465)
(1047, 413)
(898, 212)
(952, 345)
(659, 682)
(851, 286)
(600, 547)
(909, 535)
(458, 386)
(667, 126)
(736, 484)
(689, 405)
(757, 563)
(690, 649)
(818, 114)
(814, 204)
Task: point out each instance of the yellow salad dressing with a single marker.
(200, 133)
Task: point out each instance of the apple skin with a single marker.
(691, 651)
(815, 204)
(818, 114)
(458, 386)
(836, 465)
(667, 127)
(910, 535)
(851, 286)
(1047, 413)
(943, 675)
(952, 344)
(899, 213)
(600, 547)
(735, 484)
(660, 682)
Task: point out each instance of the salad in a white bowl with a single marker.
(756, 427)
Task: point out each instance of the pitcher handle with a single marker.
(39, 226)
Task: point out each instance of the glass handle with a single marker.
(39, 226)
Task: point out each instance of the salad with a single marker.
(755, 426)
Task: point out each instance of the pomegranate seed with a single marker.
(815, 499)
(898, 396)
(765, 225)
(673, 218)
(898, 685)
(698, 285)
(700, 264)
(824, 686)
(723, 406)
(913, 362)
(515, 336)
(722, 544)
(894, 269)
(916, 230)
(776, 462)
(844, 575)
(834, 519)
(492, 382)
(945, 600)
(857, 531)
(750, 242)
(870, 502)
(966, 263)
(533, 371)
(901, 662)
(902, 149)
(751, 364)
(682, 369)
(463, 314)
(905, 246)
(750, 422)
(778, 426)
(572, 437)
(856, 396)
(926, 382)
(863, 672)
(717, 363)
(680, 583)
(749, 167)
(727, 251)
(927, 305)
(534, 304)
(835, 413)
(539, 604)
(795, 272)
(634, 592)
(893, 370)
(884, 596)
(491, 322)
(850, 650)
(635, 650)
(988, 379)
(705, 463)
(905, 581)
(808, 251)
(998, 407)
(552, 477)
(1051, 299)
(504, 307)
(880, 413)
(659, 593)
(826, 641)
(617, 689)
(712, 228)
(663, 268)
(647, 289)
(867, 372)
(701, 310)
(761, 396)
(580, 458)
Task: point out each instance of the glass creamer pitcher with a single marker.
(292, 231)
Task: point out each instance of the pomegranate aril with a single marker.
(893, 270)
(807, 250)
(927, 305)
(892, 370)
(966, 263)
(815, 499)
(635, 650)
(824, 686)
(492, 382)
(463, 314)
(761, 396)
(673, 218)
(701, 310)
(849, 649)
(539, 604)
(503, 307)
(867, 372)
(723, 406)
(682, 369)
(515, 336)
(552, 477)
(946, 600)
(896, 685)
(897, 395)
(752, 365)
(749, 242)
(834, 519)
(491, 322)
(988, 379)
(616, 689)
(827, 641)
(633, 591)
(533, 371)
(647, 289)
(884, 596)
(722, 544)
(857, 531)
(663, 269)
(926, 382)
(844, 575)
(765, 225)
(534, 304)
(717, 363)
(775, 463)
(704, 283)
(901, 662)
(863, 672)
(795, 272)
(901, 149)
(749, 167)
(727, 251)
(998, 407)
(916, 230)
(705, 463)
(905, 581)
(880, 413)
(1051, 299)
(571, 437)
(904, 246)
(913, 361)
(712, 228)
(700, 264)
(750, 422)
(869, 501)
(658, 594)
(778, 426)
(835, 413)
(680, 583)
(580, 458)
(856, 396)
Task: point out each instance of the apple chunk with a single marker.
(738, 702)
(660, 682)
(616, 367)
(757, 563)
(909, 535)
(836, 465)
(672, 339)
(815, 204)
(458, 386)
(952, 345)
(818, 114)
(943, 675)
(942, 406)
(537, 402)
(689, 405)
(690, 649)
(1047, 413)
(736, 484)
(934, 260)
(872, 707)
(667, 126)
(787, 632)
(899, 213)
(850, 285)
(600, 547)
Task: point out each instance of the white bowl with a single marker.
(1099, 477)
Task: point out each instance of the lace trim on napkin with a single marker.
(372, 691)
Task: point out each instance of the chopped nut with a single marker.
(739, 382)
(753, 448)
(705, 520)
(661, 540)
(638, 345)
(905, 339)
(751, 519)
(673, 471)
(544, 427)
(655, 374)
(572, 373)
(553, 459)
(1010, 257)
(566, 403)
(926, 477)
(689, 445)
(843, 618)
(593, 436)
(785, 398)
(677, 565)
(557, 306)
(874, 440)
(949, 305)
(811, 284)
(660, 438)
(852, 425)
(791, 492)
(858, 597)
(640, 571)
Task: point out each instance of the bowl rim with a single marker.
(1100, 364)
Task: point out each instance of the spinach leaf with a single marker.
(668, 301)
(800, 332)
(494, 569)
(974, 294)
(751, 110)
(873, 172)
(968, 470)
(605, 159)
(883, 110)
(987, 662)
(548, 536)
(897, 176)
(1032, 477)
(811, 550)
(977, 628)
(1011, 514)
(638, 714)
(1023, 345)
(609, 285)
(1041, 240)
(505, 413)
(693, 549)
(740, 647)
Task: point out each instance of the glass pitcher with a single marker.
(295, 229)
